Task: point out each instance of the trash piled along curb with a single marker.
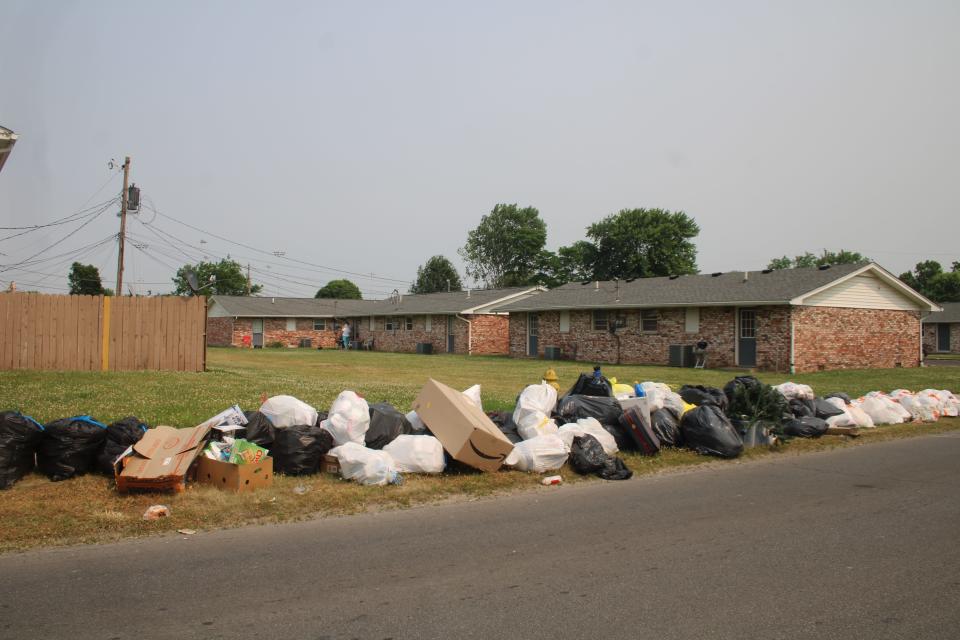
(374, 444)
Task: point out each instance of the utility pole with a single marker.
(248, 278)
(123, 224)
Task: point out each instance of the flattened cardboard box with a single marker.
(162, 458)
(235, 477)
(462, 427)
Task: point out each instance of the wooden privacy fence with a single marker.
(102, 333)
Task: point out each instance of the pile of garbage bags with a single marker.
(374, 443)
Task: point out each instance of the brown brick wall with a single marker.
(219, 332)
(838, 338)
(930, 337)
(490, 335)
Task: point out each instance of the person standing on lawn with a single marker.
(346, 335)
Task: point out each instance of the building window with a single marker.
(564, 322)
(648, 321)
(691, 321)
(429, 323)
(291, 324)
(408, 323)
(600, 321)
(391, 324)
(319, 324)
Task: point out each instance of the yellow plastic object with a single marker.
(550, 377)
(612, 380)
(622, 389)
(687, 406)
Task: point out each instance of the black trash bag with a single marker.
(19, 437)
(839, 394)
(504, 422)
(587, 455)
(69, 446)
(120, 435)
(297, 449)
(826, 410)
(386, 423)
(624, 441)
(707, 431)
(588, 385)
(730, 388)
(756, 434)
(807, 427)
(802, 407)
(260, 431)
(605, 410)
(701, 395)
(666, 425)
(615, 469)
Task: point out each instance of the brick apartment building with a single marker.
(797, 320)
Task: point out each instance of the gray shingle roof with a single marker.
(734, 287)
(950, 313)
(476, 301)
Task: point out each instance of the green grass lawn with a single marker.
(36, 512)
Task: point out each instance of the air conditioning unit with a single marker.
(681, 355)
(425, 347)
(552, 353)
(306, 343)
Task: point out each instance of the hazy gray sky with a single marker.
(369, 136)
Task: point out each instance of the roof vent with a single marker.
(823, 267)
(716, 273)
(273, 301)
(767, 271)
(674, 276)
(746, 276)
(596, 285)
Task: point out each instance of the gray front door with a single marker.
(943, 337)
(747, 342)
(533, 333)
(450, 345)
(258, 333)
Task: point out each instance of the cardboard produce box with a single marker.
(462, 427)
(161, 459)
(239, 478)
(330, 464)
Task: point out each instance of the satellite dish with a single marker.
(193, 283)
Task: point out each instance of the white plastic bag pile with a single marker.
(588, 426)
(660, 395)
(883, 409)
(852, 416)
(366, 466)
(539, 454)
(532, 413)
(349, 419)
(794, 391)
(286, 411)
(417, 454)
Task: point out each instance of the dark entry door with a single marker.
(258, 333)
(450, 334)
(748, 338)
(943, 337)
(533, 333)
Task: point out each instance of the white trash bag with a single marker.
(286, 411)
(588, 427)
(656, 393)
(415, 422)
(540, 454)
(675, 402)
(349, 419)
(536, 398)
(792, 390)
(366, 466)
(881, 409)
(473, 395)
(842, 420)
(417, 454)
(536, 424)
(861, 417)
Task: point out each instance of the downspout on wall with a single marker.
(469, 332)
(793, 366)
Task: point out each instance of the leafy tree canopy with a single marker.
(505, 248)
(929, 278)
(225, 278)
(811, 260)
(340, 289)
(84, 279)
(637, 243)
(438, 274)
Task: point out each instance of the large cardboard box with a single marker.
(162, 458)
(462, 427)
(235, 477)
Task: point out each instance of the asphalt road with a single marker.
(856, 543)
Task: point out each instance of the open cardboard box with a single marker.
(239, 478)
(462, 427)
(161, 459)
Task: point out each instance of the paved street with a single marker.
(859, 543)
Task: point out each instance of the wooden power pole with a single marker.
(248, 278)
(123, 224)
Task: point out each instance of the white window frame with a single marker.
(320, 321)
(606, 320)
(656, 319)
(291, 324)
(691, 320)
(564, 322)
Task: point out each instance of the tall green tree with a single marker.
(929, 278)
(340, 289)
(812, 260)
(505, 248)
(84, 279)
(224, 278)
(640, 243)
(437, 274)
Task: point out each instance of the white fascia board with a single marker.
(493, 303)
(884, 275)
